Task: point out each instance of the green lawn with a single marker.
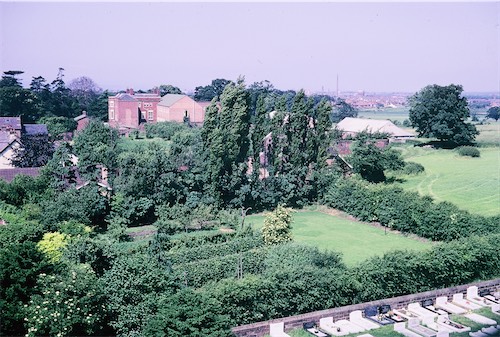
(355, 240)
(472, 184)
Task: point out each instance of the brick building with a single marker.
(129, 110)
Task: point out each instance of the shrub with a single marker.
(163, 129)
(413, 168)
(469, 151)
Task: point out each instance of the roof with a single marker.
(125, 97)
(170, 99)
(5, 143)
(9, 174)
(13, 122)
(36, 129)
(80, 117)
(350, 124)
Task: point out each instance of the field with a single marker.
(396, 114)
(357, 241)
(472, 184)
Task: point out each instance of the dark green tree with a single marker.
(209, 92)
(189, 313)
(169, 89)
(441, 112)
(35, 151)
(225, 138)
(62, 103)
(494, 113)
(59, 125)
(370, 161)
(342, 109)
(16, 100)
(60, 171)
(96, 147)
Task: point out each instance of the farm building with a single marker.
(350, 127)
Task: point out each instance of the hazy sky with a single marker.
(371, 46)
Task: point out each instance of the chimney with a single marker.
(130, 91)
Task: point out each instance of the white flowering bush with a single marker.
(65, 304)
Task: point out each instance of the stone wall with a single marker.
(262, 328)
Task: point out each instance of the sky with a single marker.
(372, 47)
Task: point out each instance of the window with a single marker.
(111, 104)
(111, 113)
(150, 115)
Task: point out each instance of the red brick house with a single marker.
(81, 121)
(129, 110)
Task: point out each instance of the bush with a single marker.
(413, 168)
(407, 211)
(469, 151)
(163, 130)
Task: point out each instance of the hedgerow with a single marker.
(407, 211)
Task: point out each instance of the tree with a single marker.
(35, 151)
(441, 112)
(16, 100)
(342, 109)
(59, 125)
(67, 303)
(95, 146)
(370, 161)
(169, 89)
(494, 113)
(225, 137)
(207, 93)
(277, 226)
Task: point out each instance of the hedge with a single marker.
(196, 274)
(407, 211)
(208, 251)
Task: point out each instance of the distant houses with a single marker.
(130, 110)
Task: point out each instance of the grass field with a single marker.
(489, 134)
(398, 114)
(355, 240)
(472, 184)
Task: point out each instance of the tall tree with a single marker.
(225, 137)
(62, 103)
(441, 112)
(85, 91)
(16, 100)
